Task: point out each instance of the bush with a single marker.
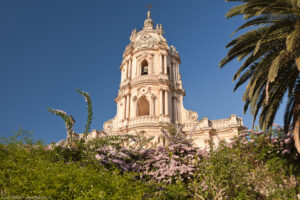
(29, 170)
(253, 166)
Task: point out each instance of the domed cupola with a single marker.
(148, 38)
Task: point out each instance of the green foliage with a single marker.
(252, 167)
(270, 55)
(68, 119)
(88, 101)
(29, 170)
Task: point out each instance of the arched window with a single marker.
(143, 107)
(144, 67)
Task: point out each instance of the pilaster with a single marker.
(166, 102)
(161, 102)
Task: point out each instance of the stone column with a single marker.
(161, 64)
(152, 105)
(122, 74)
(177, 71)
(161, 103)
(166, 102)
(134, 102)
(175, 109)
(170, 105)
(125, 107)
(173, 72)
(136, 68)
(178, 104)
(151, 70)
(130, 68)
(127, 70)
(128, 107)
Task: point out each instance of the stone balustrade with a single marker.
(225, 123)
(142, 120)
(233, 121)
(218, 124)
(145, 79)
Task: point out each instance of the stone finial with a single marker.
(148, 24)
(159, 29)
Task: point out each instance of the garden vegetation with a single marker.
(260, 165)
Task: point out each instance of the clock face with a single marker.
(145, 37)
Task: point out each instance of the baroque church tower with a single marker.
(151, 92)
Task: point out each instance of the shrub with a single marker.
(253, 166)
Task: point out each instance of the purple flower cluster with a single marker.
(172, 163)
(123, 158)
(163, 164)
(283, 143)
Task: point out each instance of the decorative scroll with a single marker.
(108, 125)
(192, 116)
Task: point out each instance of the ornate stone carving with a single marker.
(145, 37)
(128, 49)
(142, 55)
(134, 98)
(173, 51)
(108, 125)
(149, 90)
(192, 116)
(159, 29)
(133, 35)
(142, 44)
(153, 97)
(143, 91)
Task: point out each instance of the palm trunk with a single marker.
(297, 59)
(297, 132)
(296, 121)
(297, 50)
(297, 103)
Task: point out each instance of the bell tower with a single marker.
(151, 89)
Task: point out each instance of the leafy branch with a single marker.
(88, 101)
(68, 119)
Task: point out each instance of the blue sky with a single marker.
(48, 48)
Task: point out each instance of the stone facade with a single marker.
(151, 93)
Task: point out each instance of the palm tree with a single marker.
(271, 60)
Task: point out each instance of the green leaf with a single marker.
(257, 47)
(273, 72)
(291, 41)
